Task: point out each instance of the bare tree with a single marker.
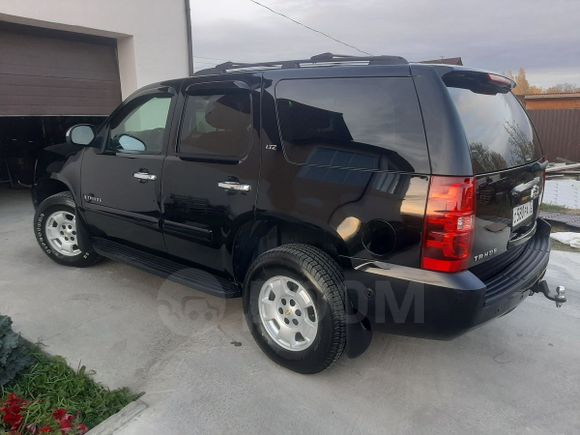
(563, 88)
(524, 88)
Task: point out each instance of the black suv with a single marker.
(332, 194)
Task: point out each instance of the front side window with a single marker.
(365, 123)
(216, 124)
(141, 127)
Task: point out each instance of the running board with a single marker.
(197, 279)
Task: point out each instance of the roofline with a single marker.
(441, 68)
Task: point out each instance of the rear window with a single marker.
(497, 128)
(363, 123)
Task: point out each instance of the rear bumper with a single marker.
(419, 302)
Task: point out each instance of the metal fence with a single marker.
(559, 132)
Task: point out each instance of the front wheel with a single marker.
(60, 233)
(294, 302)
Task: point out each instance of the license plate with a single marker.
(522, 212)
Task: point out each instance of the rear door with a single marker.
(508, 166)
(211, 178)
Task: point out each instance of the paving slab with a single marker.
(564, 193)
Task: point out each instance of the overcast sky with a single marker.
(543, 36)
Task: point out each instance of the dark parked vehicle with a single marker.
(332, 194)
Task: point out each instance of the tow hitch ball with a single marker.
(559, 298)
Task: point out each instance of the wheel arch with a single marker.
(47, 187)
(263, 234)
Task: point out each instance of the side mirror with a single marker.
(130, 143)
(81, 134)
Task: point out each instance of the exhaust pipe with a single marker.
(559, 298)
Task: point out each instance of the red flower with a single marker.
(12, 408)
(45, 429)
(59, 414)
(66, 423)
(82, 429)
(13, 420)
(13, 404)
(13, 398)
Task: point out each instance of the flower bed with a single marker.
(50, 397)
(14, 413)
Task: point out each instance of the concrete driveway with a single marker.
(202, 373)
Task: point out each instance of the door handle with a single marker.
(521, 188)
(234, 185)
(144, 176)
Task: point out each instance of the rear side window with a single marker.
(497, 128)
(362, 123)
(216, 124)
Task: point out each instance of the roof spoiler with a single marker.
(479, 82)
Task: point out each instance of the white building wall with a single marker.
(151, 34)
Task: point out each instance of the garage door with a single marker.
(56, 73)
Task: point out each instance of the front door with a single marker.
(121, 183)
(210, 181)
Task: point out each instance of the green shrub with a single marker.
(14, 353)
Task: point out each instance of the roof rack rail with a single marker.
(322, 58)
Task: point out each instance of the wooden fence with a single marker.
(559, 132)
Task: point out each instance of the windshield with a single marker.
(497, 128)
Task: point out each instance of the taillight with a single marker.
(449, 224)
(500, 80)
(544, 179)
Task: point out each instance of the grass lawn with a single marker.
(53, 393)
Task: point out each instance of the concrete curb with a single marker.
(120, 419)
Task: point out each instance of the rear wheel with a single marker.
(294, 302)
(60, 232)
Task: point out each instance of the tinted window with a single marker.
(216, 124)
(366, 123)
(498, 130)
(140, 127)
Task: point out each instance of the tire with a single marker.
(82, 253)
(294, 268)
